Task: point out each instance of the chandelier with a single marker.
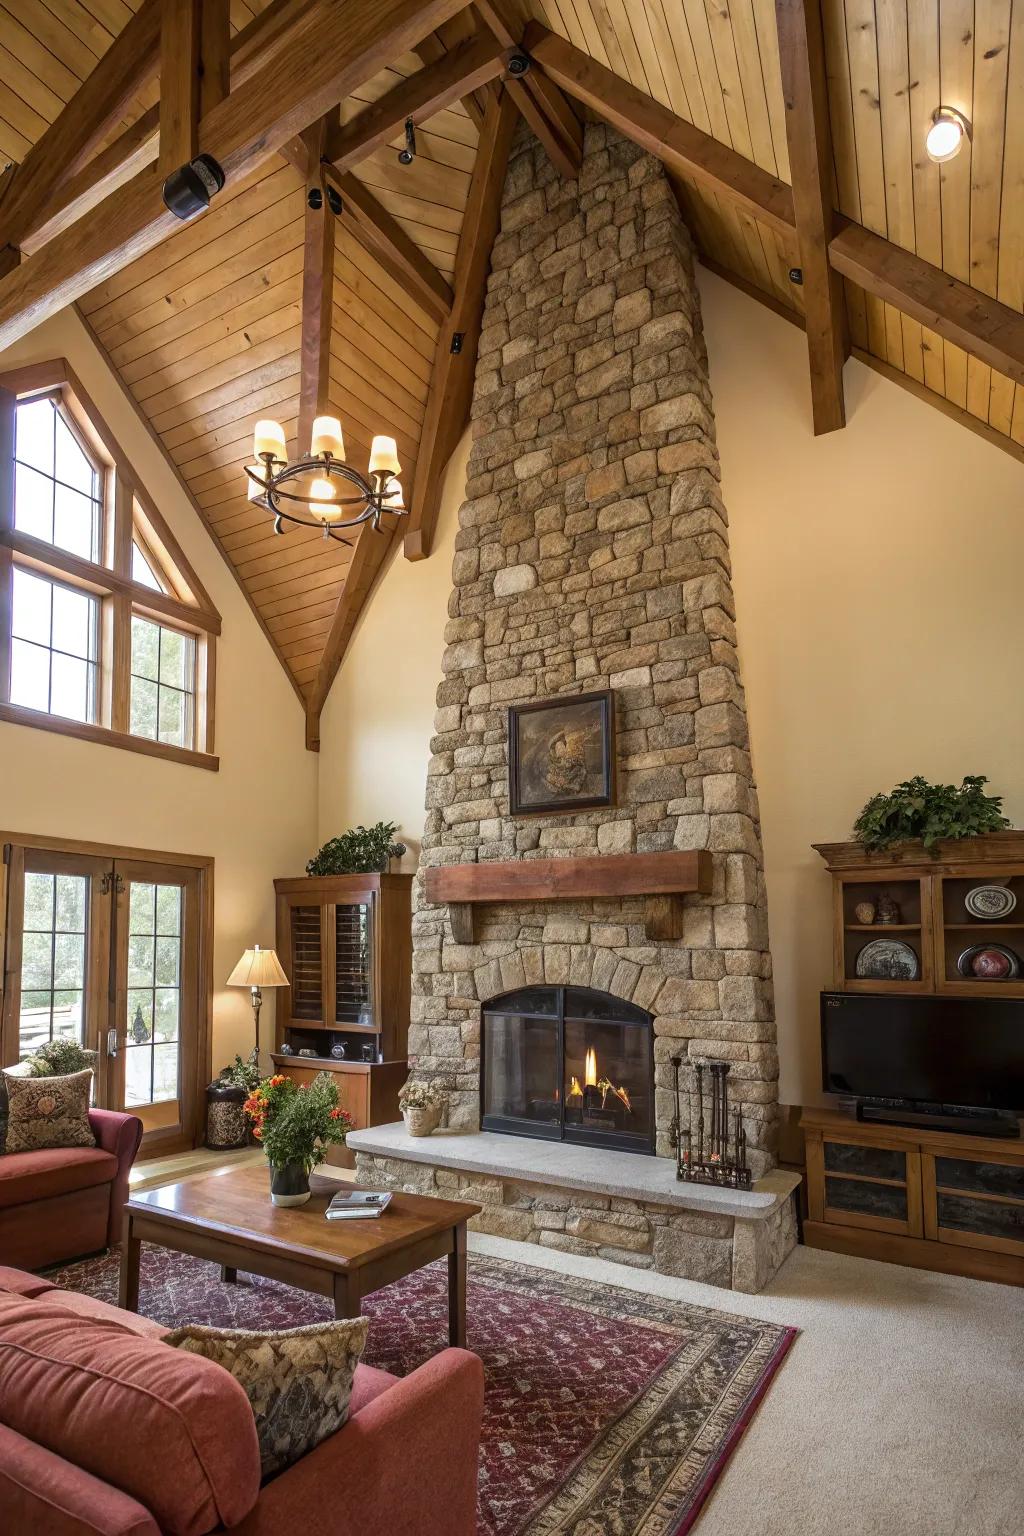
(321, 490)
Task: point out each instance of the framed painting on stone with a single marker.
(561, 754)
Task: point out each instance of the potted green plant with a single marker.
(59, 1058)
(295, 1123)
(421, 1105)
(360, 851)
(931, 813)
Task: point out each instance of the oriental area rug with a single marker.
(607, 1412)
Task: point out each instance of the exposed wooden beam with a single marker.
(539, 101)
(137, 146)
(684, 149)
(368, 558)
(328, 53)
(436, 44)
(387, 241)
(214, 54)
(451, 380)
(469, 65)
(805, 96)
(983, 327)
(96, 106)
(317, 288)
(180, 28)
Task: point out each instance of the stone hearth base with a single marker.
(629, 1209)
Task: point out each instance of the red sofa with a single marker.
(67, 1201)
(105, 1431)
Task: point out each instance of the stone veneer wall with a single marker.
(593, 553)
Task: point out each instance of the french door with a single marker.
(107, 951)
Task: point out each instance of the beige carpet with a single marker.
(899, 1412)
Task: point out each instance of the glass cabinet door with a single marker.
(974, 1202)
(869, 1186)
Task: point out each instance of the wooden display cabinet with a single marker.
(345, 942)
(931, 1199)
(930, 890)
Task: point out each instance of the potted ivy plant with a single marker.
(930, 813)
(295, 1123)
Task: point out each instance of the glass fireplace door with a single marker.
(568, 1064)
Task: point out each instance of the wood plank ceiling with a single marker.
(205, 329)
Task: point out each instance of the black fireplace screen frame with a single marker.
(619, 1012)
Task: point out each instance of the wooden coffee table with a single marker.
(229, 1218)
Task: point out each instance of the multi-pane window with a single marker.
(142, 571)
(57, 487)
(106, 632)
(154, 994)
(53, 959)
(54, 647)
(163, 683)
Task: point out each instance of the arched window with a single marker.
(105, 631)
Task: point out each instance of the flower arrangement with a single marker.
(296, 1123)
(417, 1095)
(421, 1105)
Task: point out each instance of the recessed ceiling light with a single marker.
(946, 135)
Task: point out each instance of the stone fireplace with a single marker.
(593, 553)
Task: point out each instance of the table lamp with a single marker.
(258, 968)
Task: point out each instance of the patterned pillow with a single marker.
(298, 1380)
(48, 1112)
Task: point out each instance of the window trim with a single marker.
(127, 513)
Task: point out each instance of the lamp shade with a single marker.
(258, 968)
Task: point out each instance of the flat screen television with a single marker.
(942, 1051)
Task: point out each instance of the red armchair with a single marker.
(106, 1431)
(67, 1201)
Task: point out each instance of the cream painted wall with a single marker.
(877, 574)
(375, 730)
(877, 579)
(257, 816)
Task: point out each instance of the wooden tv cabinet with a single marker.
(928, 1199)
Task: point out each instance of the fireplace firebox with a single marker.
(568, 1064)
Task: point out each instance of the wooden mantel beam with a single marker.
(329, 52)
(684, 149)
(805, 96)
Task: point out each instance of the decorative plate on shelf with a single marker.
(888, 960)
(989, 962)
(990, 901)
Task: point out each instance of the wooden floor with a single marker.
(190, 1165)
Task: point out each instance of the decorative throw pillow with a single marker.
(298, 1380)
(48, 1112)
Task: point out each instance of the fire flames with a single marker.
(604, 1085)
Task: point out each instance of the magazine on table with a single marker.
(356, 1204)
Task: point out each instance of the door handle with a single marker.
(112, 1041)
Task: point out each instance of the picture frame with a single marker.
(561, 754)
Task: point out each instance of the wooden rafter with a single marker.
(538, 99)
(137, 146)
(684, 149)
(180, 30)
(326, 55)
(805, 93)
(986, 329)
(469, 65)
(387, 241)
(368, 557)
(317, 287)
(92, 111)
(451, 380)
(436, 44)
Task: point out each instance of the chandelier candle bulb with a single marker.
(269, 438)
(384, 456)
(254, 490)
(327, 438)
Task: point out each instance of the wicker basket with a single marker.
(422, 1121)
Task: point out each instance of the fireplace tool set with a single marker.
(709, 1150)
